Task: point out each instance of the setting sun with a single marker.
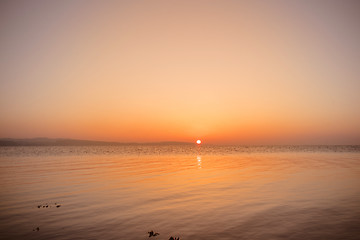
(198, 141)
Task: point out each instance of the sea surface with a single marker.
(207, 192)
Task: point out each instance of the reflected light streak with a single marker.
(199, 161)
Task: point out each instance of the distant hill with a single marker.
(72, 142)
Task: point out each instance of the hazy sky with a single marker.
(249, 72)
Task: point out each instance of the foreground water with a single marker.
(122, 192)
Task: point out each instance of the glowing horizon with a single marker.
(249, 72)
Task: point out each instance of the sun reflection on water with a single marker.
(199, 161)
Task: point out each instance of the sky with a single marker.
(226, 72)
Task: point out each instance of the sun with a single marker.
(198, 141)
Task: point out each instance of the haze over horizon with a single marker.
(228, 72)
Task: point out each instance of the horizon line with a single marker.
(36, 141)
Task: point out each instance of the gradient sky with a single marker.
(248, 72)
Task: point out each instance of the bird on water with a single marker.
(152, 234)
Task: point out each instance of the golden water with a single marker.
(122, 192)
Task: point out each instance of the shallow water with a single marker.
(122, 192)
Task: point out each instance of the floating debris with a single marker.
(36, 229)
(152, 234)
(47, 205)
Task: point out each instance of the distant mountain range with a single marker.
(72, 142)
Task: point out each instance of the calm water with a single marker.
(123, 192)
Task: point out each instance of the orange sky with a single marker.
(249, 72)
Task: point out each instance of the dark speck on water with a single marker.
(172, 238)
(215, 192)
(152, 234)
(48, 205)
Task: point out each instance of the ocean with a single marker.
(185, 191)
